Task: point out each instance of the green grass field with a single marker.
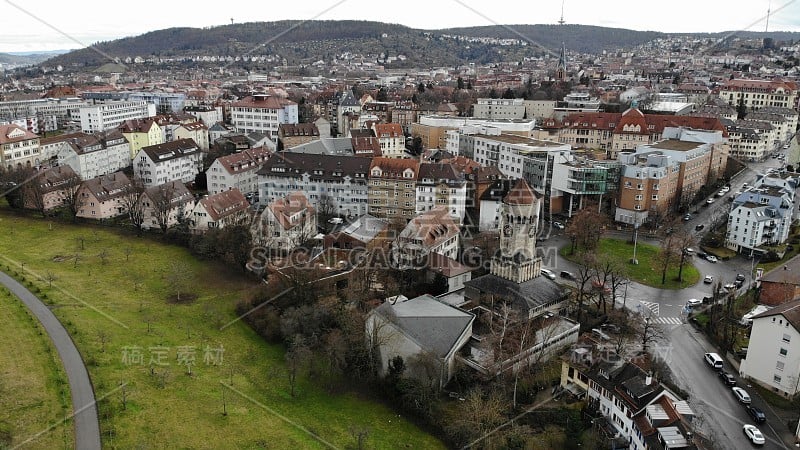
(647, 271)
(135, 344)
(33, 387)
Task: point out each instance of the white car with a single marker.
(694, 302)
(741, 395)
(709, 201)
(549, 274)
(753, 434)
(730, 286)
(558, 225)
(711, 258)
(708, 279)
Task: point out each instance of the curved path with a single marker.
(87, 428)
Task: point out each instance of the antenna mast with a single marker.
(561, 21)
(769, 8)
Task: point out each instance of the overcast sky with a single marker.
(36, 25)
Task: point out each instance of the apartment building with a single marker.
(757, 94)
(761, 216)
(393, 188)
(391, 139)
(292, 135)
(773, 352)
(331, 182)
(165, 205)
(236, 171)
(442, 185)
(286, 223)
(56, 113)
(432, 130)
(430, 232)
(141, 133)
(19, 147)
(93, 155)
(177, 160)
(263, 113)
(103, 116)
(103, 197)
(499, 108)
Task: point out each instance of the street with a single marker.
(720, 416)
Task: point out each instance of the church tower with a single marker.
(561, 67)
(519, 219)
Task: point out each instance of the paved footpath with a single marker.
(87, 428)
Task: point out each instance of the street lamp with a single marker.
(635, 239)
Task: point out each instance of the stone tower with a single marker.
(519, 219)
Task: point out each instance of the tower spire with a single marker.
(561, 67)
(561, 21)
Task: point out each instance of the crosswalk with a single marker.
(652, 306)
(668, 320)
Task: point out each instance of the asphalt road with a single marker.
(720, 415)
(87, 428)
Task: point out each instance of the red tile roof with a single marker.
(394, 167)
(520, 194)
(294, 203)
(388, 130)
(263, 102)
(225, 204)
(13, 133)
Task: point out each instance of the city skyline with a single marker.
(46, 25)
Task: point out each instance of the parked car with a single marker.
(756, 413)
(710, 201)
(708, 279)
(753, 434)
(711, 258)
(694, 302)
(729, 286)
(558, 225)
(567, 275)
(701, 255)
(740, 277)
(699, 227)
(688, 251)
(741, 395)
(727, 378)
(687, 217)
(549, 274)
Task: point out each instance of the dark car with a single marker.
(727, 378)
(567, 275)
(699, 227)
(756, 413)
(701, 255)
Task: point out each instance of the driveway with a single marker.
(87, 428)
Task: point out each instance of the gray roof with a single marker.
(348, 99)
(433, 325)
(365, 228)
(525, 296)
(326, 146)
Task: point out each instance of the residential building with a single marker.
(432, 130)
(292, 135)
(540, 109)
(347, 106)
(757, 94)
(141, 133)
(760, 217)
(56, 113)
(236, 171)
(422, 331)
(449, 271)
(499, 108)
(576, 103)
(442, 185)
(50, 188)
(773, 352)
(218, 130)
(207, 114)
(780, 285)
(430, 232)
(166, 205)
(263, 113)
(393, 188)
(746, 142)
(195, 131)
(286, 223)
(391, 138)
(177, 160)
(365, 143)
(103, 116)
(93, 155)
(19, 147)
(104, 197)
(635, 410)
(216, 211)
(337, 180)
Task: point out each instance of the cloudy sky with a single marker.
(36, 25)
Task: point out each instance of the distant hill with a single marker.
(303, 43)
(28, 58)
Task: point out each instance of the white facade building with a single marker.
(236, 171)
(499, 108)
(762, 216)
(93, 155)
(101, 117)
(773, 353)
(176, 160)
(263, 113)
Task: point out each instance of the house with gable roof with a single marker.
(773, 352)
(393, 188)
(177, 160)
(103, 197)
(18, 147)
(237, 171)
(226, 208)
(430, 232)
(286, 223)
(165, 205)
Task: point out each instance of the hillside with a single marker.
(303, 43)
(307, 42)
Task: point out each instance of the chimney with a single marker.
(648, 380)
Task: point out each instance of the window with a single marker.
(783, 352)
(780, 365)
(786, 338)
(776, 378)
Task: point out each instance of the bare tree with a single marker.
(586, 228)
(481, 413)
(583, 279)
(103, 337)
(326, 208)
(297, 356)
(128, 251)
(360, 434)
(131, 202)
(648, 332)
(684, 240)
(178, 279)
(667, 255)
(103, 255)
(33, 195)
(163, 205)
(50, 277)
(73, 199)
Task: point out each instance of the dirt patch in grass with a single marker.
(184, 298)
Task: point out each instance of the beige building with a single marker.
(292, 135)
(286, 223)
(18, 147)
(757, 94)
(227, 208)
(103, 197)
(391, 139)
(141, 133)
(392, 188)
(50, 188)
(195, 131)
(163, 206)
